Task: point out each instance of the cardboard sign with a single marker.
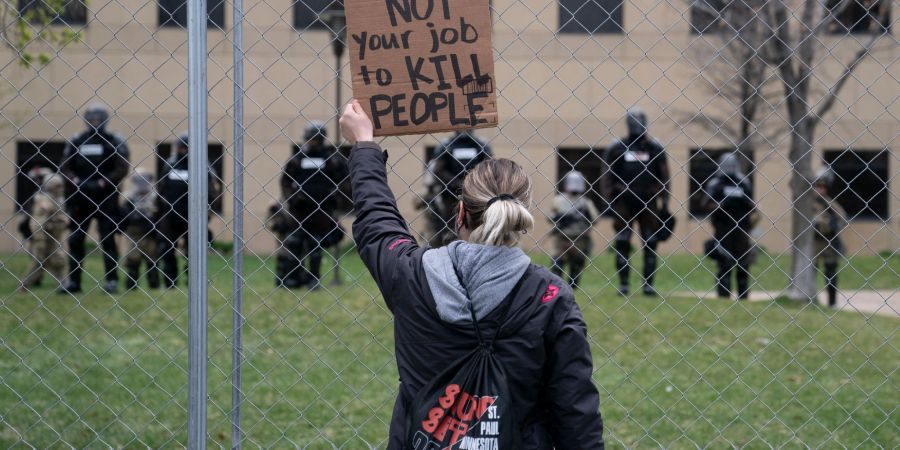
(422, 66)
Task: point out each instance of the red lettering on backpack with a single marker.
(550, 294)
(456, 413)
(398, 242)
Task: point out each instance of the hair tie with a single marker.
(498, 198)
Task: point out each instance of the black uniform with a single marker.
(94, 162)
(454, 158)
(636, 186)
(310, 187)
(731, 200)
(542, 344)
(173, 212)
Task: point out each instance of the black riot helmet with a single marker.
(636, 119)
(96, 116)
(315, 131)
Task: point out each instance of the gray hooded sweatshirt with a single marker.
(488, 273)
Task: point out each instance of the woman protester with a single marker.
(492, 350)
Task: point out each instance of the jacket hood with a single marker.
(489, 273)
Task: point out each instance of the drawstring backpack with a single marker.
(468, 405)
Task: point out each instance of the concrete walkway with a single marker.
(885, 303)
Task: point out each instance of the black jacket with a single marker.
(543, 344)
(172, 188)
(95, 162)
(637, 165)
(311, 179)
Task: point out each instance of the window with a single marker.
(860, 16)
(861, 182)
(308, 12)
(173, 13)
(216, 157)
(31, 155)
(702, 166)
(59, 12)
(588, 161)
(590, 16)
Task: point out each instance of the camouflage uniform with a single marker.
(830, 220)
(573, 217)
(50, 224)
(139, 223)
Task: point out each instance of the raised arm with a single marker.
(381, 235)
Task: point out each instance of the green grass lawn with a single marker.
(103, 371)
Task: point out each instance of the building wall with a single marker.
(554, 90)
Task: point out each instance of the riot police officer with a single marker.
(637, 188)
(454, 158)
(285, 227)
(729, 198)
(310, 187)
(94, 162)
(173, 208)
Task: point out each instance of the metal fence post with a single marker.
(238, 223)
(198, 168)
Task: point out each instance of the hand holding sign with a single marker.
(355, 123)
(422, 66)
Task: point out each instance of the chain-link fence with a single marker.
(759, 138)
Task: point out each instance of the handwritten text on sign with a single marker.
(422, 66)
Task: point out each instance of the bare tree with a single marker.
(763, 41)
(794, 48)
(733, 70)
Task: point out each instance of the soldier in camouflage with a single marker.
(49, 224)
(573, 216)
(139, 214)
(829, 220)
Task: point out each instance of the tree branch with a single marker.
(714, 125)
(830, 97)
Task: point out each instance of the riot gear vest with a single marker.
(312, 176)
(637, 165)
(173, 184)
(91, 156)
(733, 200)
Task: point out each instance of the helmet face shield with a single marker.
(96, 116)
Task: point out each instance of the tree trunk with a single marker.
(803, 270)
